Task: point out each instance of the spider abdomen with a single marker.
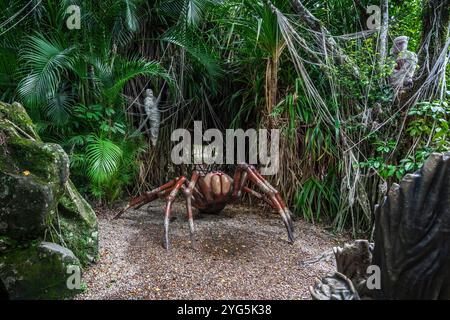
(214, 191)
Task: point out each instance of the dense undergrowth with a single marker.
(232, 64)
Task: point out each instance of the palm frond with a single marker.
(127, 70)
(44, 62)
(58, 107)
(131, 18)
(193, 46)
(103, 158)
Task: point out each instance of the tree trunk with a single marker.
(271, 89)
(384, 31)
(435, 40)
(435, 27)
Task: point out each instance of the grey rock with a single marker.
(38, 272)
(38, 200)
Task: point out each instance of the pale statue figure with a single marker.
(153, 114)
(405, 67)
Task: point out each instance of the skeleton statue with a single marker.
(153, 115)
(405, 67)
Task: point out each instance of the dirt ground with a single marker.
(240, 254)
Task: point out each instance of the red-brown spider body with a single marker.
(211, 192)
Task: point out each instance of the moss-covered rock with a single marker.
(38, 203)
(78, 225)
(15, 119)
(45, 161)
(40, 271)
(6, 243)
(28, 204)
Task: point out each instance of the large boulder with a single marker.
(78, 225)
(42, 270)
(38, 203)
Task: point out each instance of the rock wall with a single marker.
(45, 225)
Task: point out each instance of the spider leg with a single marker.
(259, 196)
(271, 193)
(170, 198)
(198, 200)
(239, 180)
(188, 193)
(145, 198)
(278, 197)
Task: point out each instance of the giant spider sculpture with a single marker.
(210, 192)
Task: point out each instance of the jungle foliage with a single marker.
(310, 68)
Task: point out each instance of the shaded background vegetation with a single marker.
(310, 68)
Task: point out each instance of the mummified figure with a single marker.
(152, 111)
(405, 65)
(210, 192)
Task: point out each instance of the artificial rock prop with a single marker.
(39, 203)
(412, 234)
(412, 243)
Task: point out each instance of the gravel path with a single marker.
(240, 254)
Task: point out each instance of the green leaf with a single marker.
(44, 62)
(409, 166)
(103, 158)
